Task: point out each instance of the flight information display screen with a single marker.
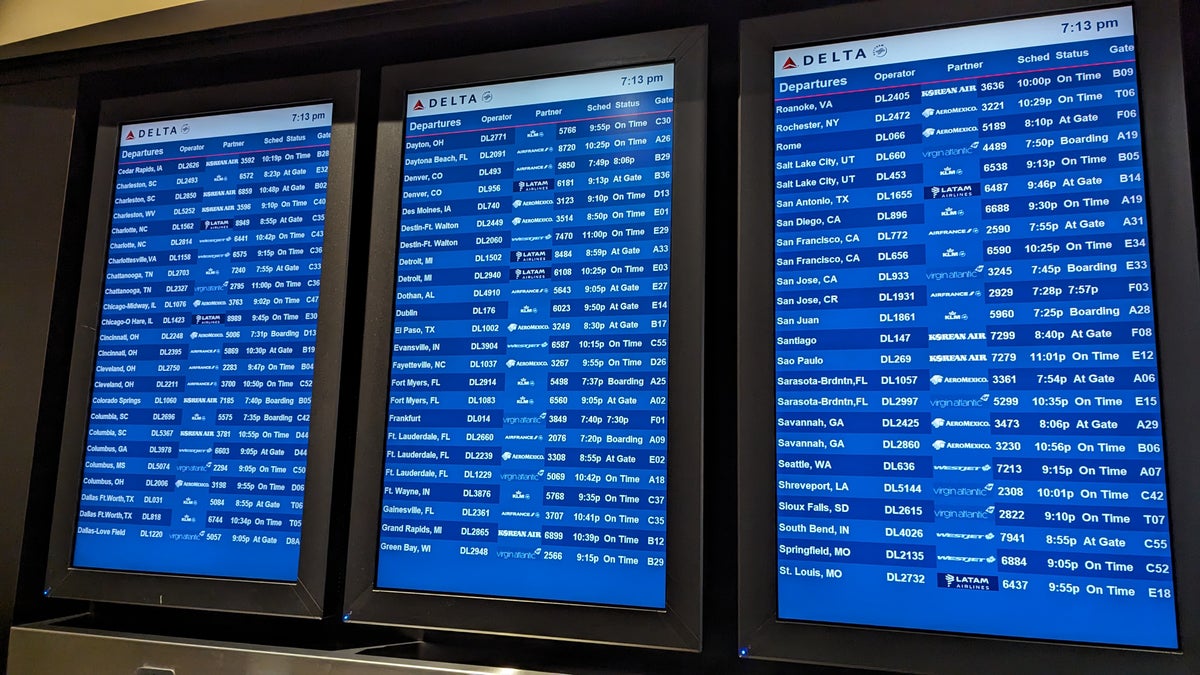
(968, 432)
(197, 434)
(527, 426)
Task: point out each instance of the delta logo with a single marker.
(834, 56)
(154, 132)
(445, 101)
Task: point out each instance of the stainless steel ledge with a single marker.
(39, 649)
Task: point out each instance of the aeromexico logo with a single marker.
(164, 130)
(834, 56)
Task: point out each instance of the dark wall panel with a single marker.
(43, 198)
(36, 126)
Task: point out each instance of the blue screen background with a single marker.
(197, 437)
(968, 428)
(526, 437)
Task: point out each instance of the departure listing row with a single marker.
(197, 434)
(968, 425)
(527, 427)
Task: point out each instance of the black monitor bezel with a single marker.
(761, 633)
(304, 597)
(678, 626)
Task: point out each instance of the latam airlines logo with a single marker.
(834, 56)
(450, 101)
(971, 582)
(156, 132)
(952, 191)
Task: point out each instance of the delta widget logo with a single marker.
(835, 56)
(158, 131)
(449, 101)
